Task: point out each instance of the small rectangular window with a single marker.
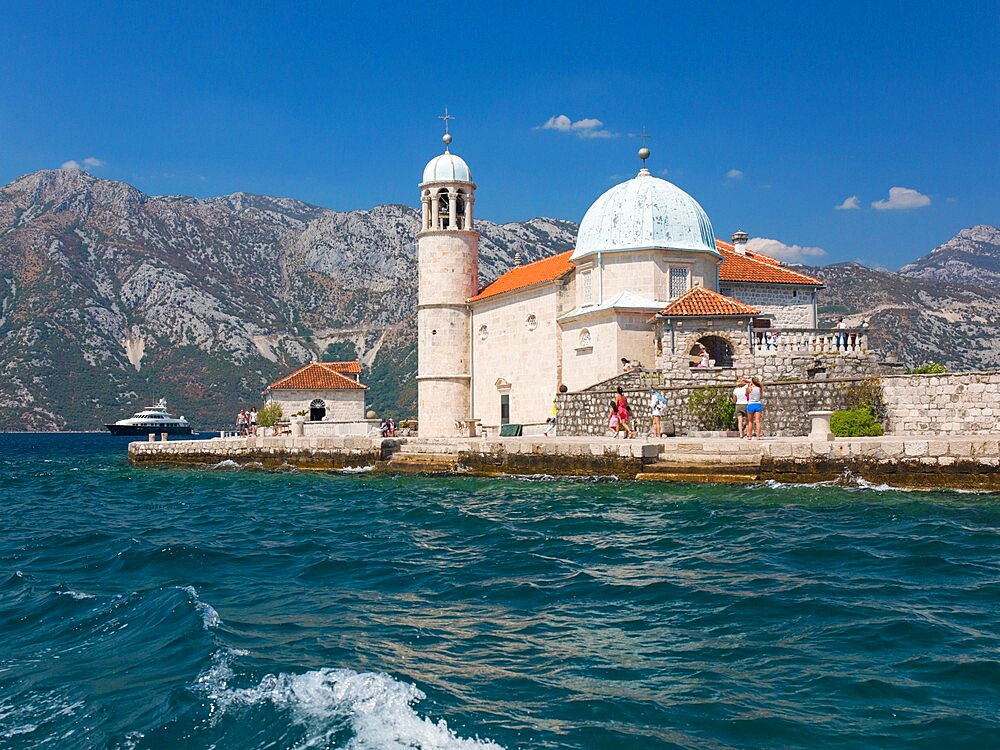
(505, 409)
(588, 288)
(678, 282)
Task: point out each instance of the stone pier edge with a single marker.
(927, 462)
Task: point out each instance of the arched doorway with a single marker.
(317, 410)
(720, 351)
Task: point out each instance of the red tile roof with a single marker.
(699, 301)
(759, 268)
(323, 376)
(521, 277)
(353, 367)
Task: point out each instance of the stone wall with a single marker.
(786, 405)
(950, 404)
(965, 403)
(788, 306)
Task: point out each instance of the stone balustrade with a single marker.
(773, 341)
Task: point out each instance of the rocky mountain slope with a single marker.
(970, 257)
(110, 298)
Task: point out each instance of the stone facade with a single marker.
(340, 405)
(966, 403)
(787, 305)
(524, 322)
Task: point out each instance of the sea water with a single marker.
(220, 608)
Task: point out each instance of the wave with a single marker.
(227, 465)
(76, 594)
(354, 470)
(209, 617)
(375, 709)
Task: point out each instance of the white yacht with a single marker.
(154, 418)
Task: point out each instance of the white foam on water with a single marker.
(76, 594)
(209, 617)
(355, 470)
(227, 465)
(27, 718)
(374, 707)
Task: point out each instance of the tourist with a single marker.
(384, 428)
(613, 423)
(754, 392)
(392, 427)
(704, 360)
(623, 413)
(657, 407)
(240, 422)
(841, 336)
(253, 420)
(626, 365)
(740, 399)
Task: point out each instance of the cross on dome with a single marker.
(446, 138)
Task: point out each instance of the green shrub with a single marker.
(713, 408)
(860, 422)
(930, 368)
(867, 394)
(270, 415)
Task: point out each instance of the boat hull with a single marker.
(144, 430)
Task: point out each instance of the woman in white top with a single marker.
(755, 390)
(740, 399)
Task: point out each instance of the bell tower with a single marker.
(448, 275)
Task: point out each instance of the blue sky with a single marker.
(769, 116)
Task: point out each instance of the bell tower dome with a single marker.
(448, 275)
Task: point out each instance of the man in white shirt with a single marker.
(740, 398)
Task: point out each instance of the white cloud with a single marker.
(778, 249)
(91, 162)
(588, 127)
(849, 203)
(902, 198)
(734, 174)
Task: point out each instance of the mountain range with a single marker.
(111, 298)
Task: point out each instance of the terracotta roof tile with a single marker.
(521, 277)
(353, 367)
(320, 376)
(759, 268)
(699, 301)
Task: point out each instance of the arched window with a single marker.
(317, 410)
(719, 352)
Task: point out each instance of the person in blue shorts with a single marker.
(755, 391)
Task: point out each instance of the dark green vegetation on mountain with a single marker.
(110, 298)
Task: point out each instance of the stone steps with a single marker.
(420, 463)
(733, 461)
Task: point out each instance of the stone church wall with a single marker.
(950, 404)
(789, 307)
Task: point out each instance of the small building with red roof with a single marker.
(323, 391)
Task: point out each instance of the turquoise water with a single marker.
(170, 608)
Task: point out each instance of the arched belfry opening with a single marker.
(443, 207)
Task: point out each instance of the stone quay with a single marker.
(916, 461)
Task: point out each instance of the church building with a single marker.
(648, 283)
